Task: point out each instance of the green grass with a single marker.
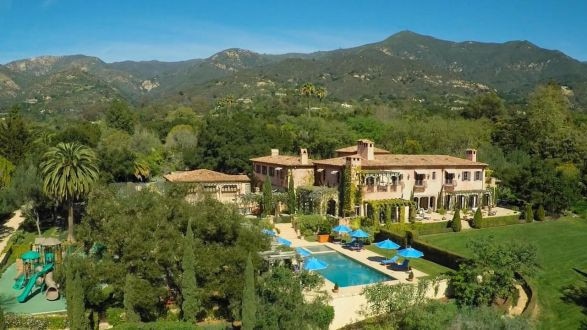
(428, 267)
(560, 245)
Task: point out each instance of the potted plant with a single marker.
(335, 289)
(323, 235)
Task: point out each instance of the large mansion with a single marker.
(430, 181)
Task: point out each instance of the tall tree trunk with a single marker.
(38, 222)
(70, 237)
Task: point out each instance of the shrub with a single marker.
(505, 220)
(115, 316)
(456, 221)
(477, 218)
(441, 211)
(529, 214)
(159, 325)
(540, 213)
(25, 322)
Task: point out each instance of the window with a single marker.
(466, 176)
(271, 171)
(419, 179)
(229, 188)
(433, 175)
(258, 168)
(264, 170)
(209, 188)
(478, 175)
(448, 178)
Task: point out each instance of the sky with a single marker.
(117, 30)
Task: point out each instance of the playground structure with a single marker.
(35, 269)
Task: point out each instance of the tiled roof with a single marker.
(391, 160)
(204, 175)
(353, 149)
(282, 160)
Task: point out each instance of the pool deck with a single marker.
(348, 301)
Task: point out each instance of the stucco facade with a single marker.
(225, 188)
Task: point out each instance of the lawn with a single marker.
(423, 265)
(560, 246)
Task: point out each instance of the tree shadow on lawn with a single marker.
(577, 294)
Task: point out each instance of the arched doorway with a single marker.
(331, 207)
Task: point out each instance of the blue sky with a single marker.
(178, 30)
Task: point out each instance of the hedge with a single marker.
(420, 228)
(159, 325)
(437, 255)
(505, 220)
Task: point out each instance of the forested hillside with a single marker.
(404, 66)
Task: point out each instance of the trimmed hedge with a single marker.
(419, 228)
(159, 325)
(505, 220)
(437, 255)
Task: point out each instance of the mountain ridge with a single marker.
(404, 65)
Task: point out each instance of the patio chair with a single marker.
(390, 261)
(404, 266)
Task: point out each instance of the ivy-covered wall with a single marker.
(388, 207)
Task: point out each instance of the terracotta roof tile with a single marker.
(204, 175)
(282, 160)
(354, 150)
(392, 160)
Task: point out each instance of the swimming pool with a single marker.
(345, 271)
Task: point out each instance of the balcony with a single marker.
(449, 185)
(420, 186)
(381, 188)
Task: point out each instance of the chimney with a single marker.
(366, 149)
(471, 154)
(274, 152)
(304, 156)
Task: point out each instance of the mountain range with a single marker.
(405, 65)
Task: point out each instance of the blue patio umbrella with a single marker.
(268, 232)
(314, 264)
(342, 229)
(359, 233)
(302, 252)
(410, 253)
(283, 241)
(387, 245)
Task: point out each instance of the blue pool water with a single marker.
(345, 271)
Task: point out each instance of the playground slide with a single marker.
(31, 283)
(52, 292)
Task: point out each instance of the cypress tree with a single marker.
(477, 218)
(249, 304)
(540, 213)
(291, 196)
(267, 198)
(76, 311)
(129, 299)
(529, 213)
(191, 301)
(456, 221)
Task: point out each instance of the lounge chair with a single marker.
(356, 246)
(390, 261)
(403, 267)
(349, 244)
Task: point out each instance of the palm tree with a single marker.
(308, 90)
(68, 172)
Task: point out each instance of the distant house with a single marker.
(226, 188)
